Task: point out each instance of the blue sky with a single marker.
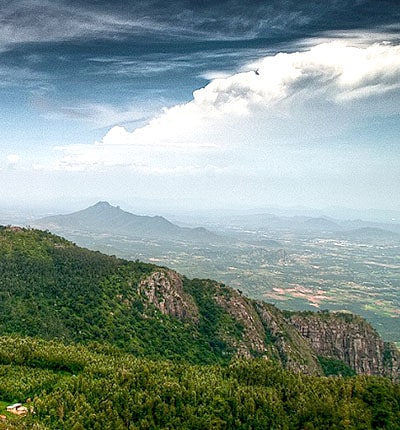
(200, 105)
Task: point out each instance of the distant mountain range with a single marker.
(333, 212)
(351, 229)
(105, 218)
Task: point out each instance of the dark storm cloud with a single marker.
(238, 19)
(44, 21)
(152, 36)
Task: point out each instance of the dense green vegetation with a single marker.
(98, 387)
(51, 288)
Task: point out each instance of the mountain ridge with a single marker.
(54, 289)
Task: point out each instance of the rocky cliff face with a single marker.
(285, 342)
(252, 341)
(351, 339)
(296, 340)
(164, 290)
(266, 333)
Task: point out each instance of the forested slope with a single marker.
(98, 387)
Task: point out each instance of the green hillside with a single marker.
(51, 288)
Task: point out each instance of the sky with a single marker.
(199, 104)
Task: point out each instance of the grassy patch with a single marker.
(3, 406)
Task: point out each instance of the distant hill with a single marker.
(294, 223)
(321, 224)
(105, 218)
(360, 225)
(370, 233)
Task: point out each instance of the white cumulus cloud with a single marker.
(288, 98)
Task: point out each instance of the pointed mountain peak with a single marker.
(103, 204)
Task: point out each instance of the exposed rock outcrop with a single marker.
(351, 339)
(391, 362)
(252, 341)
(266, 333)
(285, 342)
(164, 289)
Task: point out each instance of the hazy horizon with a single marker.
(187, 106)
(22, 214)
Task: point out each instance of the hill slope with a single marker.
(51, 288)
